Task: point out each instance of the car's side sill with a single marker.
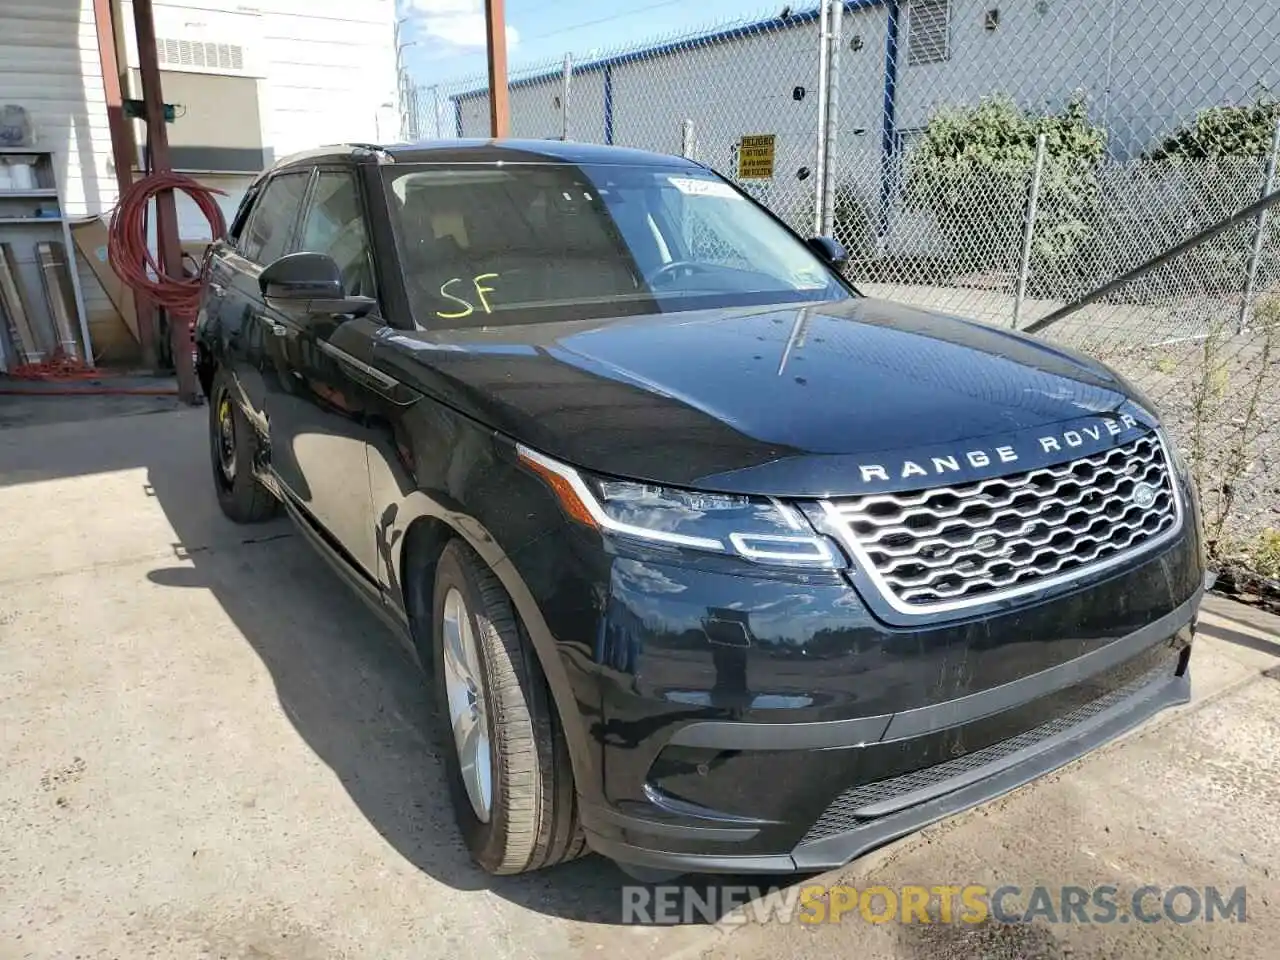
(342, 567)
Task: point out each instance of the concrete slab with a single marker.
(211, 750)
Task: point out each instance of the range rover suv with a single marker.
(711, 563)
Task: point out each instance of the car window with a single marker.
(494, 245)
(266, 235)
(334, 224)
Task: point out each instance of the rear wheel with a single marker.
(233, 449)
(508, 765)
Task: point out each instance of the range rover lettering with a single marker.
(712, 563)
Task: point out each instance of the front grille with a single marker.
(959, 545)
(842, 815)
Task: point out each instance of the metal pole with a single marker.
(435, 107)
(402, 107)
(123, 152)
(415, 117)
(1029, 228)
(833, 119)
(564, 96)
(686, 139)
(820, 159)
(495, 22)
(167, 240)
(1259, 231)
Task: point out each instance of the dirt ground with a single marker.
(210, 750)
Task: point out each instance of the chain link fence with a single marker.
(997, 159)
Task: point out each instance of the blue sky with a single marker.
(447, 36)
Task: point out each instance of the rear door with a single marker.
(318, 409)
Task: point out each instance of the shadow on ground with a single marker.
(349, 688)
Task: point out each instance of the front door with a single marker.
(318, 412)
(265, 235)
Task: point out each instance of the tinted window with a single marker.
(484, 246)
(334, 224)
(266, 236)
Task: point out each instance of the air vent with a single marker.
(928, 31)
(200, 55)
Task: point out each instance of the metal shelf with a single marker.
(15, 219)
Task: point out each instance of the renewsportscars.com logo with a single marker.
(966, 904)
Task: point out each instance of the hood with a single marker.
(786, 400)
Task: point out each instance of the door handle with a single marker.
(217, 288)
(277, 329)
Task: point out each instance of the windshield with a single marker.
(496, 245)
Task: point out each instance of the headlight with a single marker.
(760, 529)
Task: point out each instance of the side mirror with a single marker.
(830, 250)
(309, 284)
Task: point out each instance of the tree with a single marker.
(1237, 132)
(972, 170)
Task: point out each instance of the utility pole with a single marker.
(435, 108)
(167, 240)
(499, 105)
(406, 89)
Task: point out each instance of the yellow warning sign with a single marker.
(755, 156)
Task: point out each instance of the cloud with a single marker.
(458, 23)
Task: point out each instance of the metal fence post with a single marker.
(564, 96)
(831, 133)
(824, 78)
(1259, 231)
(1029, 229)
(415, 112)
(686, 140)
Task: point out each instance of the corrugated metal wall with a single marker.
(325, 69)
(49, 65)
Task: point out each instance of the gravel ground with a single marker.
(1174, 376)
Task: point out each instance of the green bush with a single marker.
(854, 224)
(972, 170)
(1217, 161)
(1227, 132)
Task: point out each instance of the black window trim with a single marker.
(310, 173)
(350, 170)
(247, 204)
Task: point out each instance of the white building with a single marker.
(251, 81)
(1143, 65)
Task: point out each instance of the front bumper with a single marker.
(717, 787)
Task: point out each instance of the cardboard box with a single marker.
(90, 237)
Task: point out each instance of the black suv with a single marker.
(713, 563)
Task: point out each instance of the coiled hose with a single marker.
(132, 260)
(130, 256)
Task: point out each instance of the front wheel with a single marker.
(508, 765)
(233, 447)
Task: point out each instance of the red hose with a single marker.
(132, 259)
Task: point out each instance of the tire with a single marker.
(531, 816)
(233, 450)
